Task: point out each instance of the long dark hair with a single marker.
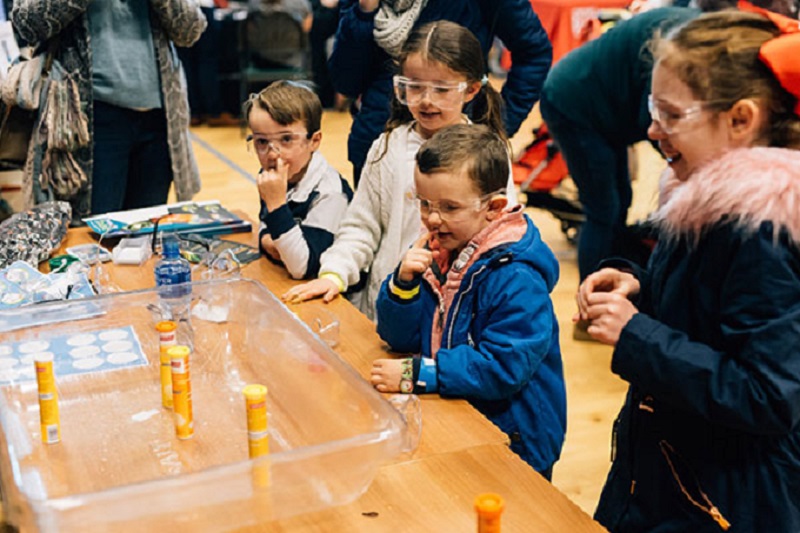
(455, 47)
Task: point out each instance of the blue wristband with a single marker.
(427, 375)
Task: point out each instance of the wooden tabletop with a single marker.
(461, 454)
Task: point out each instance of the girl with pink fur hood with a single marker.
(708, 335)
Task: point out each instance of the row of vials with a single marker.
(176, 395)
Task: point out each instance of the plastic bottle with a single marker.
(489, 507)
(173, 274)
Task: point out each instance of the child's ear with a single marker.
(496, 206)
(473, 89)
(316, 139)
(744, 121)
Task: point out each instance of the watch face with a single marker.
(406, 386)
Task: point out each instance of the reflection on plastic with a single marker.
(410, 409)
(216, 267)
(123, 468)
(222, 266)
(321, 321)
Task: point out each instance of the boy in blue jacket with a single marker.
(472, 298)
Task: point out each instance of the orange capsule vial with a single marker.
(181, 391)
(489, 507)
(255, 398)
(48, 399)
(166, 339)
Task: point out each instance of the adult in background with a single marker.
(326, 20)
(201, 66)
(132, 98)
(595, 103)
(371, 33)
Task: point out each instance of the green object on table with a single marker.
(60, 263)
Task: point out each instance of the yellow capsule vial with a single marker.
(48, 398)
(489, 507)
(255, 397)
(181, 391)
(166, 339)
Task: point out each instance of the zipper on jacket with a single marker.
(706, 505)
(454, 313)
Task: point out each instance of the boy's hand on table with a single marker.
(386, 374)
(318, 287)
(273, 183)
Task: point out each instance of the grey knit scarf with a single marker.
(394, 21)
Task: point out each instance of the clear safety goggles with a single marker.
(449, 210)
(441, 95)
(674, 121)
(262, 144)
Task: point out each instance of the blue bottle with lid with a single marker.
(173, 274)
(172, 270)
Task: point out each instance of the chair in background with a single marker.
(274, 47)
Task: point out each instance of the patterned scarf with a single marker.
(394, 21)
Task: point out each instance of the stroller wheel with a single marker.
(571, 230)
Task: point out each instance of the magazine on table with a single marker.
(202, 218)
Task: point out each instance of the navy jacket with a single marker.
(617, 67)
(359, 67)
(713, 358)
(499, 348)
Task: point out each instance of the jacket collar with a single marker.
(315, 173)
(748, 186)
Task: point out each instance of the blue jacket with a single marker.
(712, 358)
(499, 348)
(359, 67)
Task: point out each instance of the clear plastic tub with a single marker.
(119, 465)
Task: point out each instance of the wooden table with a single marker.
(461, 454)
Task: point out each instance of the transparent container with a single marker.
(119, 465)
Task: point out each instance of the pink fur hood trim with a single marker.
(751, 185)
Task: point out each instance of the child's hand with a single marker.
(368, 6)
(269, 246)
(608, 313)
(605, 280)
(417, 259)
(273, 184)
(386, 374)
(318, 287)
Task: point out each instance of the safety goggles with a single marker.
(449, 210)
(674, 121)
(441, 95)
(262, 144)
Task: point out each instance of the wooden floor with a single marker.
(594, 394)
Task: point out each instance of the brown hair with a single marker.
(455, 47)
(716, 55)
(287, 102)
(477, 149)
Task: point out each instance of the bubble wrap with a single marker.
(31, 236)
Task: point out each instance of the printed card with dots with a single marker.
(81, 353)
